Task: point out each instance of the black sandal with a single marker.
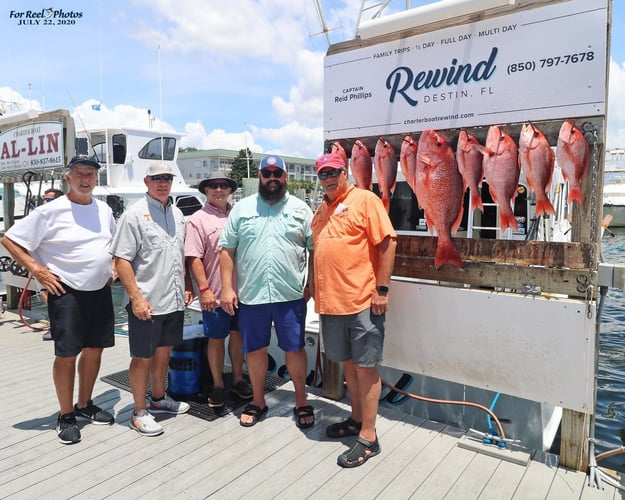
(301, 413)
(348, 427)
(357, 454)
(256, 412)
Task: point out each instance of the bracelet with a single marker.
(204, 288)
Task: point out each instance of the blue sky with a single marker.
(232, 73)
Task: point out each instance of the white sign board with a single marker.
(537, 348)
(34, 146)
(535, 64)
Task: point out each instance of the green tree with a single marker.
(239, 166)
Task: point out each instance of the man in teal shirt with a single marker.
(266, 239)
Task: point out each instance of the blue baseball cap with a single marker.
(89, 161)
(272, 161)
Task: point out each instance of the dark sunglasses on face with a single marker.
(218, 185)
(164, 177)
(47, 200)
(268, 173)
(335, 172)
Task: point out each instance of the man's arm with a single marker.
(208, 301)
(386, 261)
(309, 291)
(42, 274)
(141, 308)
(229, 299)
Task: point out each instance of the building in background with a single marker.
(196, 165)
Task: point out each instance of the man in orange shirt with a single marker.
(354, 243)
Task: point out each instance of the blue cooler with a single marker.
(185, 363)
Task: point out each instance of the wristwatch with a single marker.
(382, 289)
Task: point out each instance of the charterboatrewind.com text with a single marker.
(45, 17)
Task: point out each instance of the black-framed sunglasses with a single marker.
(162, 177)
(335, 172)
(218, 185)
(47, 200)
(275, 173)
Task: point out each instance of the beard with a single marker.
(269, 193)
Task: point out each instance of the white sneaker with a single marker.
(145, 424)
(168, 405)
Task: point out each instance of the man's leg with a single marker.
(257, 362)
(88, 369)
(63, 373)
(235, 350)
(369, 387)
(159, 369)
(138, 374)
(216, 353)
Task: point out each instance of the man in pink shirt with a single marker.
(202, 252)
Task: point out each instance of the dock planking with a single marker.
(195, 458)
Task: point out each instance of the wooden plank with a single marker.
(536, 481)
(575, 431)
(524, 253)
(503, 482)
(471, 482)
(567, 483)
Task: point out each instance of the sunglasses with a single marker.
(164, 177)
(275, 173)
(335, 172)
(218, 185)
(47, 200)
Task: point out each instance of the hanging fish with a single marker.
(501, 171)
(537, 159)
(408, 159)
(361, 165)
(439, 189)
(469, 158)
(385, 165)
(573, 155)
(337, 148)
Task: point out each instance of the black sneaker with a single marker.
(217, 397)
(94, 414)
(67, 429)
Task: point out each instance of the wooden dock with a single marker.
(196, 458)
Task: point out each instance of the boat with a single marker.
(614, 187)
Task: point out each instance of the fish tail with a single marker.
(476, 201)
(447, 253)
(544, 207)
(386, 201)
(575, 194)
(507, 220)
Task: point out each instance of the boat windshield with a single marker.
(152, 150)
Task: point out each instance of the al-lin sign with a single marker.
(35, 146)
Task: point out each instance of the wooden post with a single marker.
(575, 432)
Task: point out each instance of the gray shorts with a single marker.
(359, 337)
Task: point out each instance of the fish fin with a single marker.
(575, 194)
(386, 201)
(507, 220)
(544, 207)
(476, 201)
(447, 253)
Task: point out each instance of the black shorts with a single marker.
(81, 319)
(161, 330)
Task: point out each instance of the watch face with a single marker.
(382, 288)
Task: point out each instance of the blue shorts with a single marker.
(218, 323)
(359, 337)
(288, 318)
(161, 330)
(81, 319)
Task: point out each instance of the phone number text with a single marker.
(551, 62)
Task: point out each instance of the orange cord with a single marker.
(450, 402)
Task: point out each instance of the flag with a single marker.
(95, 107)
